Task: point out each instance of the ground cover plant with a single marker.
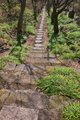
(17, 55)
(8, 35)
(67, 42)
(71, 111)
(62, 81)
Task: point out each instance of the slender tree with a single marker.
(58, 7)
(9, 7)
(20, 21)
(34, 4)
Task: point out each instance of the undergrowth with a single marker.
(67, 42)
(62, 81)
(71, 111)
(17, 55)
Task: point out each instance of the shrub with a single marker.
(12, 42)
(73, 56)
(31, 29)
(6, 28)
(60, 49)
(2, 34)
(19, 51)
(67, 42)
(22, 38)
(71, 112)
(3, 62)
(72, 26)
(74, 35)
(62, 81)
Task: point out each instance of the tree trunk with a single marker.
(55, 20)
(9, 8)
(20, 21)
(34, 9)
(56, 29)
(35, 13)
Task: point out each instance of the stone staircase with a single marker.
(20, 97)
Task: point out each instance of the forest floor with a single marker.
(37, 97)
(31, 41)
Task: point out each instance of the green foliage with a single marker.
(17, 55)
(67, 42)
(74, 35)
(64, 71)
(28, 15)
(69, 56)
(3, 35)
(13, 23)
(29, 21)
(60, 49)
(31, 29)
(6, 27)
(15, 59)
(71, 26)
(71, 112)
(12, 42)
(62, 81)
(62, 18)
(3, 62)
(74, 56)
(22, 38)
(19, 52)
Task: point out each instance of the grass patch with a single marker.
(71, 112)
(62, 81)
(17, 55)
(67, 42)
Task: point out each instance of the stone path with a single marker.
(39, 54)
(20, 98)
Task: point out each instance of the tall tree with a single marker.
(58, 7)
(9, 6)
(34, 4)
(20, 21)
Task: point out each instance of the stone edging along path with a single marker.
(20, 98)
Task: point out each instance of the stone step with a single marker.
(36, 55)
(22, 81)
(37, 61)
(23, 98)
(14, 95)
(38, 45)
(43, 61)
(39, 38)
(40, 33)
(37, 50)
(38, 41)
(18, 113)
(41, 55)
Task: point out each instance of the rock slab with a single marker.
(17, 113)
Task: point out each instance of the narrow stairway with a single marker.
(20, 97)
(39, 55)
